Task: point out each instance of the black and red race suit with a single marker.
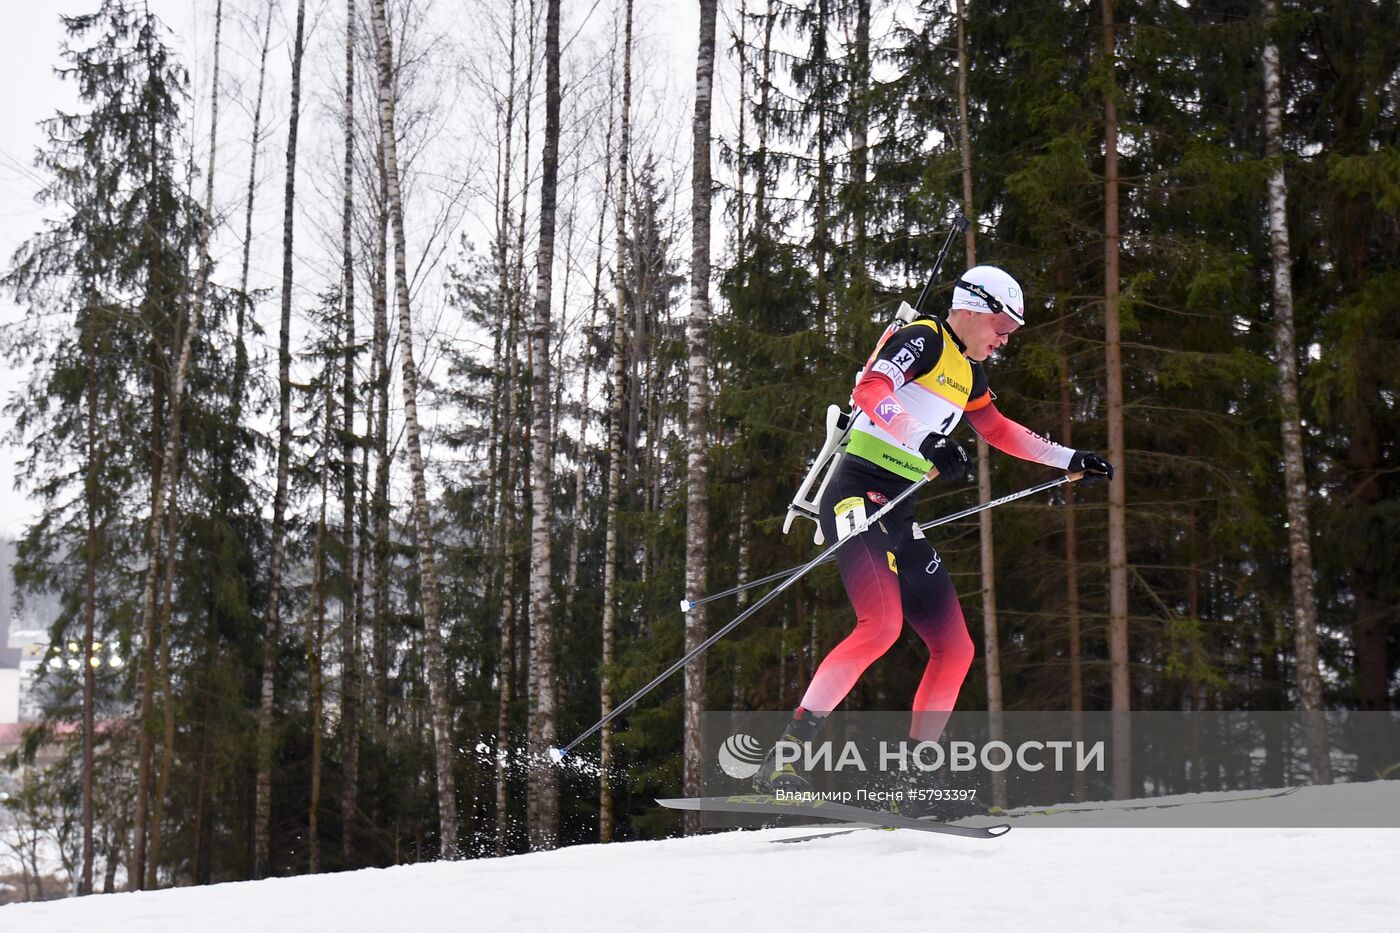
(917, 382)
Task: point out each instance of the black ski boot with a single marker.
(771, 778)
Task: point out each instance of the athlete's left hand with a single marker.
(947, 456)
(1090, 462)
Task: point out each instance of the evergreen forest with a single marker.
(368, 468)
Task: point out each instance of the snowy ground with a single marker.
(1050, 873)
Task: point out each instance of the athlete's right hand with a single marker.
(1089, 462)
(947, 456)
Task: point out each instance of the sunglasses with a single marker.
(994, 304)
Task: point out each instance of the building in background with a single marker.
(16, 666)
(24, 643)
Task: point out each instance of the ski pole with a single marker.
(689, 604)
(1010, 497)
(558, 753)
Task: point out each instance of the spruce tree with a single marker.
(99, 382)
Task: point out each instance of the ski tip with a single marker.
(999, 830)
(556, 755)
(687, 605)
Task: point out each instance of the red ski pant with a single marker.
(892, 576)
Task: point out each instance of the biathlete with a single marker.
(924, 379)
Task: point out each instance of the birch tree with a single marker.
(245, 303)
(263, 804)
(615, 415)
(437, 677)
(544, 816)
(383, 462)
(350, 603)
(502, 501)
(1309, 679)
(697, 519)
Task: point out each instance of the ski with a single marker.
(1110, 807)
(827, 810)
(1053, 811)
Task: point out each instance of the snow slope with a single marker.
(1048, 874)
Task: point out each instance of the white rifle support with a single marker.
(838, 428)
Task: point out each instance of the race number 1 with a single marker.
(850, 516)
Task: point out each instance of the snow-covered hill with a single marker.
(1051, 873)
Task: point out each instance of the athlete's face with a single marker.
(982, 334)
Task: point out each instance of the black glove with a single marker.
(946, 455)
(1091, 463)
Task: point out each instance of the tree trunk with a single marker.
(860, 133)
(506, 385)
(560, 346)
(261, 838)
(1120, 672)
(820, 66)
(763, 118)
(697, 517)
(383, 458)
(990, 628)
(199, 847)
(90, 490)
(504, 673)
(167, 750)
(245, 305)
(362, 551)
(741, 600)
(168, 486)
(349, 602)
(544, 818)
(506, 666)
(517, 293)
(114, 846)
(437, 678)
(585, 409)
(315, 640)
(965, 149)
(145, 675)
(1072, 614)
(741, 140)
(615, 415)
(1310, 698)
